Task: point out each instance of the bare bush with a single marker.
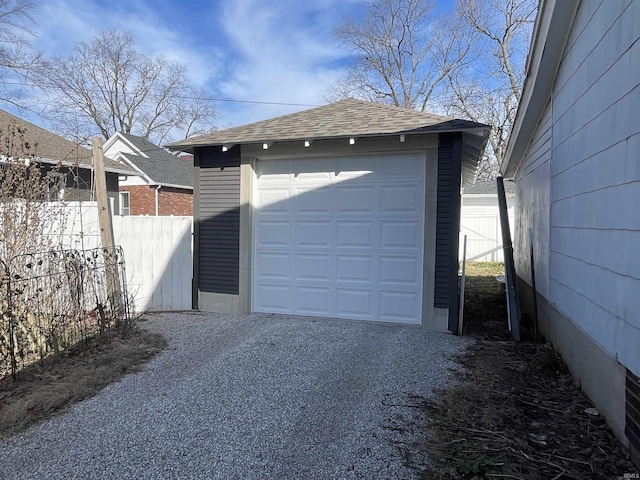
(51, 298)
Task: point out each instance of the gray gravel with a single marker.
(258, 396)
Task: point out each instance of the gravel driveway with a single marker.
(258, 396)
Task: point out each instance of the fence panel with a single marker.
(482, 227)
(159, 264)
(157, 250)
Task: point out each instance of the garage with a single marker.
(349, 210)
(340, 237)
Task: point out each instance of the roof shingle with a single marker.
(53, 148)
(346, 118)
(159, 165)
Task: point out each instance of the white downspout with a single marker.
(157, 202)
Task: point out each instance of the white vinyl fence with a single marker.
(157, 250)
(481, 225)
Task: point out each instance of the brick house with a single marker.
(165, 184)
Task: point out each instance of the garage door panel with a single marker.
(399, 271)
(275, 173)
(314, 267)
(273, 298)
(316, 234)
(308, 201)
(400, 236)
(399, 307)
(273, 266)
(400, 199)
(274, 201)
(355, 269)
(352, 234)
(314, 300)
(360, 199)
(401, 167)
(357, 304)
(349, 232)
(274, 234)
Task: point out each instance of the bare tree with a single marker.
(489, 90)
(17, 58)
(106, 86)
(403, 54)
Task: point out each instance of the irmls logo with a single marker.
(631, 475)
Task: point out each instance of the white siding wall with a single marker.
(532, 205)
(122, 147)
(594, 266)
(119, 147)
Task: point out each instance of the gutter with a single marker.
(157, 199)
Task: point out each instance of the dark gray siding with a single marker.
(448, 225)
(217, 220)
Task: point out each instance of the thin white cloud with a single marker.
(64, 23)
(251, 50)
(284, 52)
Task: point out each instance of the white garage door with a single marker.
(340, 237)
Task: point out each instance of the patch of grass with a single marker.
(483, 269)
(44, 389)
(485, 308)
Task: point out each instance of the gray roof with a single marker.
(52, 148)
(161, 166)
(346, 118)
(489, 188)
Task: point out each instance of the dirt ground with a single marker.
(47, 388)
(518, 413)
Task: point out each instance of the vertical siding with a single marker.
(448, 225)
(594, 266)
(217, 212)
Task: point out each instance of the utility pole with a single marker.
(104, 210)
(106, 234)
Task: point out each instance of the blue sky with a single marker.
(246, 50)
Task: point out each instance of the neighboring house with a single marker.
(165, 184)
(76, 162)
(575, 155)
(350, 210)
(480, 220)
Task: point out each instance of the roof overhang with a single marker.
(171, 185)
(189, 147)
(551, 30)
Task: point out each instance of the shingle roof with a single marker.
(346, 118)
(488, 188)
(159, 165)
(50, 147)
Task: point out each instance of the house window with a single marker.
(124, 203)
